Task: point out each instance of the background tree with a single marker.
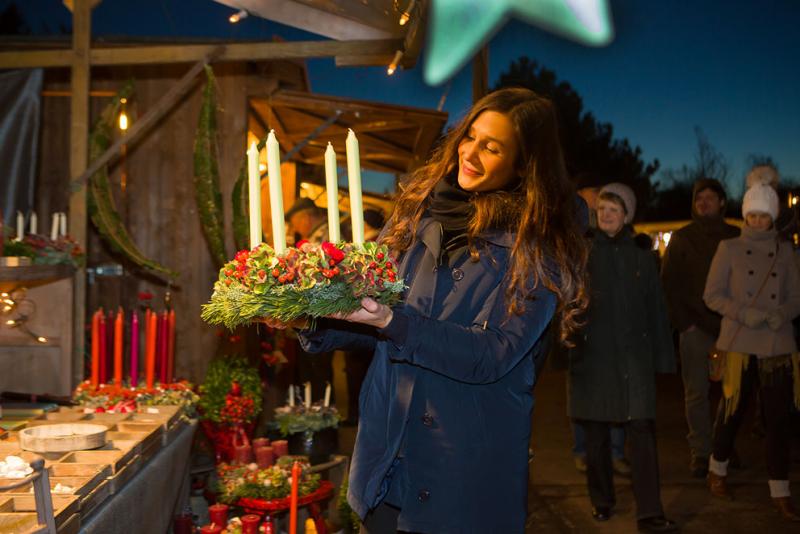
(594, 157)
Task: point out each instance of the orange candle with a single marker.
(171, 346)
(150, 358)
(293, 499)
(95, 349)
(118, 322)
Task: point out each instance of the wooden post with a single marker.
(480, 74)
(79, 155)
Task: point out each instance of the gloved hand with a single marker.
(752, 317)
(775, 319)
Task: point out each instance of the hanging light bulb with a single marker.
(41, 339)
(123, 116)
(395, 61)
(405, 16)
(239, 15)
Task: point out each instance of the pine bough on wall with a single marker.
(102, 208)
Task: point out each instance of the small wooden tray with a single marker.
(115, 458)
(153, 431)
(122, 476)
(20, 523)
(64, 506)
(61, 437)
(95, 498)
(109, 419)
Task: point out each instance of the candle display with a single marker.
(20, 226)
(307, 396)
(150, 349)
(242, 454)
(275, 193)
(34, 223)
(265, 457)
(254, 192)
(118, 322)
(354, 184)
(291, 395)
(327, 394)
(95, 349)
(293, 499)
(332, 192)
(280, 448)
(250, 524)
(218, 514)
(101, 333)
(171, 346)
(54, 227)
(62, 222)
(134, 349)
(213, 528)
(109, 374)
(260, 442)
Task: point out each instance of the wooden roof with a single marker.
(394, 139)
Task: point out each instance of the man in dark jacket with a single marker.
(684, 271)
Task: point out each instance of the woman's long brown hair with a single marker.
(549, 247)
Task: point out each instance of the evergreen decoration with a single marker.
(231, 392)
(349, 520)
(102, 207)
(296, 419)
(206, 172)
(274, 482)
(311, 281)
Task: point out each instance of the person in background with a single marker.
(357, 361)
(307, 221)
(683, 273)
(490, 258)
(786, 222)
(754, 283)
(625, 341)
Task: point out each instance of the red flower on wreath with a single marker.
(332, 252)
(300, 243)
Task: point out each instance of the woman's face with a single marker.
(758, 220)
(610, 217)
(488, 153)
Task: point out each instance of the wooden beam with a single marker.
(148, 55)
(78, 157)
(165, 104)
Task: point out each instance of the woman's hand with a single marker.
(371, 313)
(299, 324)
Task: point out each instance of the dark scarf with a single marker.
(450, 206)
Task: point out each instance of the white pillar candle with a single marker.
(332, 191)
(54, 226)
(275, 193)
(354, 183)
(308, 395)
(62, 221)
(254, 191)
(327, 394)
(34, 223)
(20, 226)
(291, 396)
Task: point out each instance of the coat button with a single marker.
(749, 252)
(771, 254)
(772, 296)
(423, 495)
(750, 273)
(427, 419)
(458, 274)
(774, 275)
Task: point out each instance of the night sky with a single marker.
(729, 67)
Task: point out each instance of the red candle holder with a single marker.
(250, 524)
(218, 514)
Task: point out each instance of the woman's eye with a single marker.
(492, 149)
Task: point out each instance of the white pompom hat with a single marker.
(761, 198)
(763, 174)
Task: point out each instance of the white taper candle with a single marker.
(332, 191)
(254, 191)
(276, 193)
(54, 226)
(34, 223)
(354, 183)
(20, 226)
(62, 221)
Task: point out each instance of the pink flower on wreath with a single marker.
(332, 252)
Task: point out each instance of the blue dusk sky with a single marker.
(727, 66)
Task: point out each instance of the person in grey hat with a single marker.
(626, 340)
(683, 273)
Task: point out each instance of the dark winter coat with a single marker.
(684, 271)
(450, 386)
(626, 339)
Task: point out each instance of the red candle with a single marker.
(265, 457)
(260, 442)
(182, 524)
(101, 330)
(118, 322)
(213, 528)
(164, 344)
(218, 514)
(134, 350)
(171, 346)
(95, 349)
(109, 347)
(280, 448)
(242, 454)
(293, 499)
(150, 355)
(250, 524)
(159, 342)
(269, 526)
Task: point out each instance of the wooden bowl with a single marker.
(62, 437)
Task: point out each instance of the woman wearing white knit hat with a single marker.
(754, 283)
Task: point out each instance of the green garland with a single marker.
(206, 172)
(298, 418)
(222, 372)
(275, 482)
(102, 208)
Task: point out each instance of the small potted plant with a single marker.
(230, 401)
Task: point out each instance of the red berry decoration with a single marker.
(379, 255)
(236, 389)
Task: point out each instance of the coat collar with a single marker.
(430, 233)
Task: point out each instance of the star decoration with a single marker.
(459, 28)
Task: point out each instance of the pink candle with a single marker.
(171, 346)
(242, 454)
(163, 327)
(250, 524)
(134, 350)
(280, 448)
(218, 514)
(265, 457)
